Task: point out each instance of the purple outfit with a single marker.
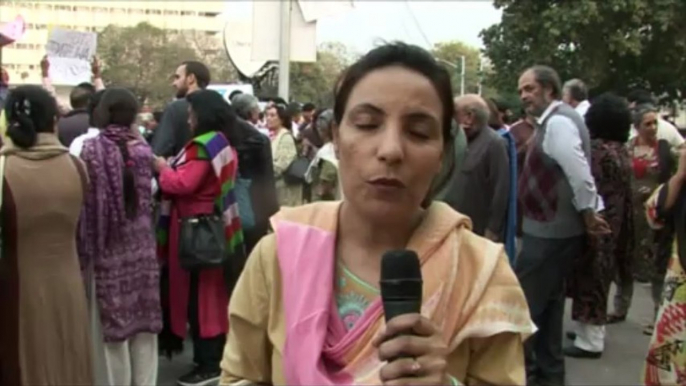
(121, 249)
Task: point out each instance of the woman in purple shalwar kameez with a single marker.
(117, 245)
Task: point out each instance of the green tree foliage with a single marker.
(450, 55)
(611, 44)
(314, 82)
(143, 59)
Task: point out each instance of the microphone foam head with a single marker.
(400, 264)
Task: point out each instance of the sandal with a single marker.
(648, 330)
(614, 318)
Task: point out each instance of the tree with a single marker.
(450, 54)
(611, 44)
(210, 50)
(143, 58)
(314, 82)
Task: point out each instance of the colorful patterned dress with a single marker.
(666, 359)
(594, 271)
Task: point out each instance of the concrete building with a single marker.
(22, 59)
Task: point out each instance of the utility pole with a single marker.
(481, 73)
(285, 50)
(462, 75)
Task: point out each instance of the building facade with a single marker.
(22, 58)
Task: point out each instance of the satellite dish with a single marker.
(238, 45)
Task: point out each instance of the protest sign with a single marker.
(70, 53)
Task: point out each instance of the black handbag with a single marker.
(202, 243)
(295, 173)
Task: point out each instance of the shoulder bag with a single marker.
(202, 243)
(295, 173)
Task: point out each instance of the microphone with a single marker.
(401, 283)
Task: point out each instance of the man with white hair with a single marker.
(248, 108)
(481, 190)
(575, 94)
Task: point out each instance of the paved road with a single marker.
(621, 364)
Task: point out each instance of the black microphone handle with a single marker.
(393, 308)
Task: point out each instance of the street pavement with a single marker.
(621, 363)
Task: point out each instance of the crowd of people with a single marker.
(125, 233)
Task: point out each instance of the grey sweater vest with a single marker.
(568, 222)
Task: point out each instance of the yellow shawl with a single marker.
(470, 293)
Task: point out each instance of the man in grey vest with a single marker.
(560, 206)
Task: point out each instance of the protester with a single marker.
(199, 182)
(117, 242)
(43, 307)
(310, 139)
(609, 121)
(665, 130)
(75, 122)
(482, 190)
(652, 164)
(575, 94)
(451, 166)
(97, 84)
(77, 144)
(255, 186)
(510, 228)
(560, 206)
(173, 133)
(664, 363)
(284, 152)
(390, 138)
(247, 107)
(323, 171)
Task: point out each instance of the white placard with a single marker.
(70, 53)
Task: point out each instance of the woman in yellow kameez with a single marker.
(307, 309)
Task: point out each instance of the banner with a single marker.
(70, 54)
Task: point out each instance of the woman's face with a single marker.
(273, 120)
(648, 127)
(390, 143)
(192, 119)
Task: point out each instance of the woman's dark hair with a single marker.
(639, 111)
(411, 57)
(93, 103)
(119, 107)
(284, 115)
(609, 118)
(213, 113)
(494, 120)
(29, 110)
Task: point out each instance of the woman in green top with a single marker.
(323, 171)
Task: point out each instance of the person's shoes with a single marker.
(571, 335)
(199, 377)
(648, 330)
(615, 318)
(575, 352)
